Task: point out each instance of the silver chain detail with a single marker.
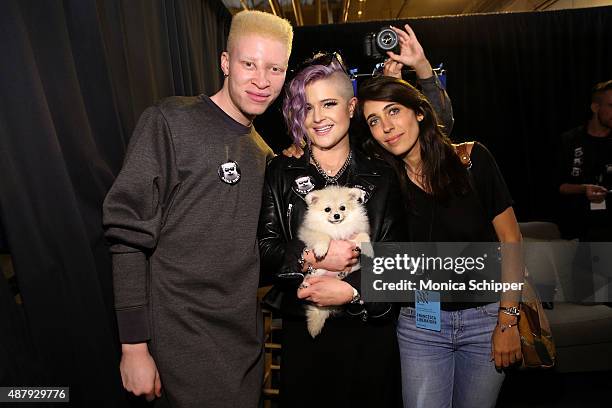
(328, 179)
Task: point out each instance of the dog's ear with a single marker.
(312, 198)
(355, 194)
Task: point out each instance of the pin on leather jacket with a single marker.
(288, 181)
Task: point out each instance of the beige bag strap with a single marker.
(463, 151)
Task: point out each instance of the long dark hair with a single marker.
(443, 172)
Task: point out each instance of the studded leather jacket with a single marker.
(288, 181)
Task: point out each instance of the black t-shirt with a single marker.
(584, 159)
(466, 218)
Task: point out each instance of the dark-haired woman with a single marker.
(445, 202)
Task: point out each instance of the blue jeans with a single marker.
(453, 367)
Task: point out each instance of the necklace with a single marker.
(419, 174)
(417, 178)
(332, 179)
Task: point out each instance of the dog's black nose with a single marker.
(336, 216)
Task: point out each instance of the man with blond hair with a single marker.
(181, 219)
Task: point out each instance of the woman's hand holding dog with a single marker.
(341, 257)
(326, 291)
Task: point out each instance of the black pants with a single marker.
(350, 364)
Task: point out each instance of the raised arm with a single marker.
(412, 55)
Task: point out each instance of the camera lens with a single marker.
(386, 39)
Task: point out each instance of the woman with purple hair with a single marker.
(354, 361)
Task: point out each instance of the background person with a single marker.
(427, 81)
(585, 182)
(585, 172)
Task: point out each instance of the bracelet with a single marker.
(356, 298)
(510, 311)
(504, 327)
(310, 270)
(301, 261)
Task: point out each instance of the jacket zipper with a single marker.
(289, 210)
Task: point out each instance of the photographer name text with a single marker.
(472, 285)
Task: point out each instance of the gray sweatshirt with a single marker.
(185, 255)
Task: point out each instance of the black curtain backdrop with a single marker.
(517, 81)
(75, 76)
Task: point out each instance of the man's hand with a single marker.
(411, 53)
(594, 193)
(138, 371)
(293, 151)
(506, 345)
(341, 257)
(325, 291)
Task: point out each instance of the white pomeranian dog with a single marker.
(334, 213)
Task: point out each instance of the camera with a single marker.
(376, 45)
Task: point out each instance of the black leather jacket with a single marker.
(282, 213)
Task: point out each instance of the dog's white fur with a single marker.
(345, 219)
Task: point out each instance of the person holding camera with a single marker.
(411, 54)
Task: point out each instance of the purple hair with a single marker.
(294, 104)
